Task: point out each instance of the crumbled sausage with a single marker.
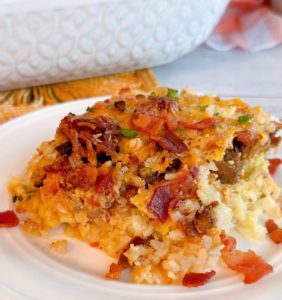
(229, 168)
(120, 105)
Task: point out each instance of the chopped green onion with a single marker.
(90, 109)
(153, 94)
(216, 113)
(128, 133)
(204, 107)
(171, 93)
(244, 118)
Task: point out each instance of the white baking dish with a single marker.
(57, 40)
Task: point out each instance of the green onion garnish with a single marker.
(90, 109)
(153, 94)
(244, 118)
(216, 113)
(128, 133)
(204, 107)
(171, 93)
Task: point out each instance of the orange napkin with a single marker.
(247, 24)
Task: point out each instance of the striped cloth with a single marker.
(247, 24)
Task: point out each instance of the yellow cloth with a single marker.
(18, 102)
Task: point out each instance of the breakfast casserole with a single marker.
(158, 181)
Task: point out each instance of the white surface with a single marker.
(49, 41)
(30, 271)
(234, 73)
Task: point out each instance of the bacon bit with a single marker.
(167, 193)
(8, 218)
(170, 121)
(201, 125)
(51, 185)
(84, 177)
(159, 203)
(60, 165)
(197, 279)
(164, 103)
(104, 183)
(148, 124)
(90, 153)
(274, 140)
(275, 233)
(276, 236)
(114, 272)
(130, 191)
(106, 149)
(271, 225)
(274, 163)
(252, 266)
(170, 142)
(194, 171)
(92, 201)
(94, 244)
(246, 137)
(123, 261)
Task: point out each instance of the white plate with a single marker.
(29, 270)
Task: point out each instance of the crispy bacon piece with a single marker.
(167, 192)
(246, 137)
(274, 140)
(201, 125)
(170, 121)
(252, 266)
(271, 225)
(164, 103)
(197, 279)
(114, 272)
(61, 165)
(274, 163)
(274, 232)
(170, 142)
(148, 124)
(104, 183)
(8, 218)
(84, 177)
(89, 135)
(130, 191)
(159, 203)
(94, 244)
